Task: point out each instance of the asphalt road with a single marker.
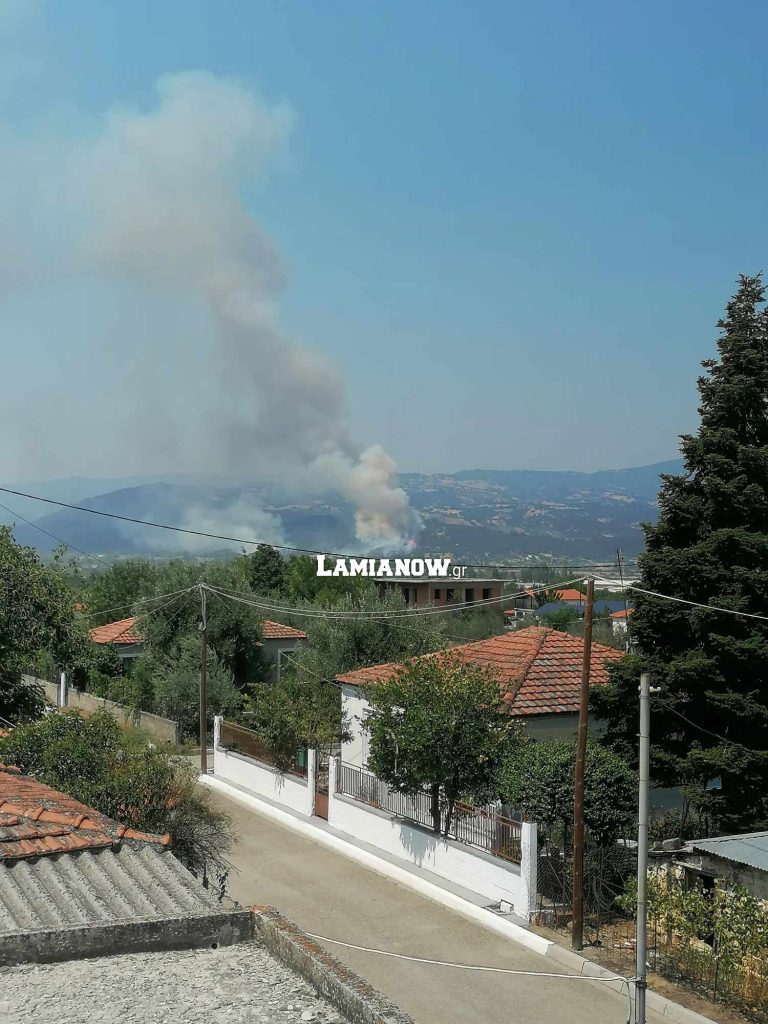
(327, 894)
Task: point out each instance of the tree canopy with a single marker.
(441, 724)
(710, 545)
(37, 618)
(537, 780)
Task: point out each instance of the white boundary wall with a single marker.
(264, 780)
(492, 877)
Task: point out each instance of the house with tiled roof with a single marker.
(620, 620)
(278, 642)
(124, 636)
(74, 882)
(538, 670)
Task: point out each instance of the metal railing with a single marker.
(479, 827)
(244, 741)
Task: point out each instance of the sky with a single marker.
(493, 235)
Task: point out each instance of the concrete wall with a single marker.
(190, 932)
(263, 779)
(492, 877)
(162, 729)
(271, 649)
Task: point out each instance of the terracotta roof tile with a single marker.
(123, 631)
(623, 614)
(538, 669)
(36, 820)
(277, 631)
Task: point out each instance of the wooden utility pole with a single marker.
(577, 924)
(203, 627)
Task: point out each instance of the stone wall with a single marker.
(161, 729)
(358, 1001)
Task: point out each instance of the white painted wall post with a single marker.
(333, 763)
(529, 861)
(217, 720)
(63, 694)
(311, 779)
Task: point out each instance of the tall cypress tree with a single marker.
(710, 545)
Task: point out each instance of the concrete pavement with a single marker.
(325, 893)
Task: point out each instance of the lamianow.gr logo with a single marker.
(381, 568)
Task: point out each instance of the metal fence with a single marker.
(480, 827)
(690, 963)
(244, 741)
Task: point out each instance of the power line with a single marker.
(716, 735)
(698, 604)
(384, 614)
(145, 600)
(283, 547)
(59, 540)
(467, 967)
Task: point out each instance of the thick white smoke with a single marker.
(163, 196)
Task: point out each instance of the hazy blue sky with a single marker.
(510, 226)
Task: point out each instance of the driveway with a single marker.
(325, 893)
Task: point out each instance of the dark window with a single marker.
(486, 593)
(406, 592)
(469, 594)
(450, 594)
(437, 594)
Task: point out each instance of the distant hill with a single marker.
(472, 515)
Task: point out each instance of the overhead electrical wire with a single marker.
(59, 540)
(283, 547)
(697, 604)
(384, 614)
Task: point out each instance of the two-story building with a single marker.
(418, 591)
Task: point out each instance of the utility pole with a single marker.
(642, 847)
(577, 922)
(203, 627)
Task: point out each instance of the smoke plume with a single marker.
(163, 198)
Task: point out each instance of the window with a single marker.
(469, 594)
(450, 594)
(438, 593)
(486, 593)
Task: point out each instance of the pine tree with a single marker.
(710, 545)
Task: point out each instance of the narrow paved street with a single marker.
(327, 894)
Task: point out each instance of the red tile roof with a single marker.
(277, 631)
(623, 614)
(123, 631)
(538, 669)
(36, 820)
(571, 595)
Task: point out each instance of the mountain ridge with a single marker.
(471, 514)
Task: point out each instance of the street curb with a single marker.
(508, 929)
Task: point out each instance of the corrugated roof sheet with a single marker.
(538, 669)
(751, 848)
(134, 882)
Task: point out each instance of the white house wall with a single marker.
(263, 780)
(356, 708)
(489, 876)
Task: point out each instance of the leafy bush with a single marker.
(95, 762)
